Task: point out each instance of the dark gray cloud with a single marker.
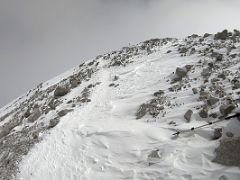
(42, 38)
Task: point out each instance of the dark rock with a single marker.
(194, 90)
(85, 100)
(226, 109)
(203, 95)
(203, 113)
(228, 152)
(60, 91)
(64, 112)
(181, 72)
(115, 78)
(52, 104)
(183, 50)
(27, 113)
(74, 83)
(53, 122)
(154, 154)
(188, 115)
(142, 111)
(4, 131)
(159, 93)
(229, 134)
(212, 100)
(188, 67)
(213, 115)
(70, 101)
(169, 51)
(90, 86)
(222, 35)
(219, 57)
(34, 115)
(206, 35)
(206, 72)
(111, 85)
(217, 133)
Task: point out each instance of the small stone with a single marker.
(203, 95)
(4, 131)
(64, 112)
(217, 133)
(222, 178)
(194, 90)
(188, 115)
(112, 84)
(206, 72)
(229, 134)
(142, 111)
(159, 93)
(53, 122)
(203, 113)
(27, 113)
(188, 67)
(115, 78)
(181, 72)
(154, 154)
(34, 115)
(74, 82)
(213, 115)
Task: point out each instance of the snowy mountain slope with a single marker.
(116, 117)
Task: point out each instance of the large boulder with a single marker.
(34, 115)
(228, 152)
(60, 91)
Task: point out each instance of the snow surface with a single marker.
(103, 140)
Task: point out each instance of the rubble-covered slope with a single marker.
(114, 117)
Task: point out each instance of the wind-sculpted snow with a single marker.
(113, 117)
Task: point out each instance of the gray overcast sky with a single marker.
(40, 39)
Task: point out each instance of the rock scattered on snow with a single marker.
(203, 113)
(34, 115)
(188, 115)
(60, 91)
(226, 109)
(228, 152)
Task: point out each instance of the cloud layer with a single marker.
(40, 39)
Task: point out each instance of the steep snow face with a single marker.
(103, 140)
(114, 117)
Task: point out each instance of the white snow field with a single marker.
(102, 140)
